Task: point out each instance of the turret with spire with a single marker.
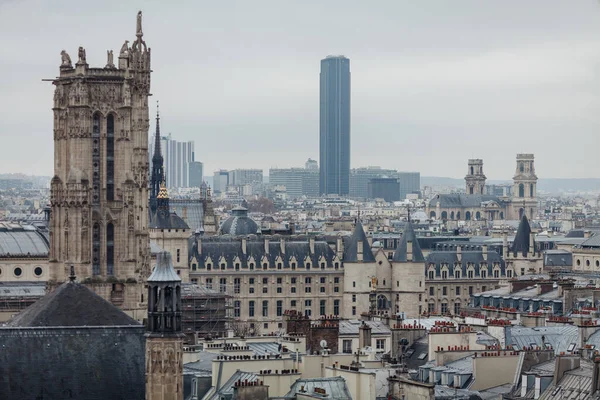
(158, 174)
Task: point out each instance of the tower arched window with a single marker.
(458, 215)
(110, 157)
(468, 216)
(432, 215)
(477, 215)
(452, 215)
(96, 249)
(531, 190)
(521, 167)
(96, 159)
(521, 190)
(472, 171)
(444, 215)
(110, 249)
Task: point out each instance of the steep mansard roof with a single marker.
(401, 253)
(351, 245)
(230, 249)
(521, 242)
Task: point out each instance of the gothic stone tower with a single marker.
(524, 200)
(99, 192)
(164, 339)
(475, 178)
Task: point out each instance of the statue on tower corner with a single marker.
(81, 54)
(109, 60)
(65, 60)
(124, 49)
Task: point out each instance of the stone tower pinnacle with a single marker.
(158, 173)
(524, 188)
(99, 191)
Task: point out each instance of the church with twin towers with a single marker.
(477, 204)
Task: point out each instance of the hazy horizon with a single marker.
(432, 84)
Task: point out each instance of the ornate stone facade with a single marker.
(99, 192)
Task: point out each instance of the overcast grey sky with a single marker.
(433, 82)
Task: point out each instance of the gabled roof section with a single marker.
(401, 253)
(351, 246)
(521, 242)
(71, 304)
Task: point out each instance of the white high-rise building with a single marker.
(177, 158)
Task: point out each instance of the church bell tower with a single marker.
(475, 179)
(524, 196)
(99, 191)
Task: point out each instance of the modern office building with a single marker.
(311, 164)
(410, 183)
(177, 157)
(241, 177)
(334, 144)
(220, 181)
(195, 174)
(298, 182)
(384, 188)
(360, 177)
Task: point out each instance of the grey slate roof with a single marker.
(217, 248)
(226, 390)
(439, 258)
(239, 223)
(593, 241)
(335, 387)
(400, 255)
(351, 245)
(71, 304)
(521, 242)
(191, 211)
(164, 271)
(22, 241)
(560, 337)
(460, 200)
(22, 289)
(351, 327)
(170, 220)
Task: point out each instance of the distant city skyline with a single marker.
(427, 93)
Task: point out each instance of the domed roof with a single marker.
(239, 223)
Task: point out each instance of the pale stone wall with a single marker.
(494, 371)
(27, 270)
(357, 282)
(361, 385)
(586, 260)
(448, 340)
(164, 368)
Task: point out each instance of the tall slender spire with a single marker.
(158, 174)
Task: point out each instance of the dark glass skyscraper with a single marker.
(335, 126)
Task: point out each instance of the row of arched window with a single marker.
(110, 248)
(110, 158)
